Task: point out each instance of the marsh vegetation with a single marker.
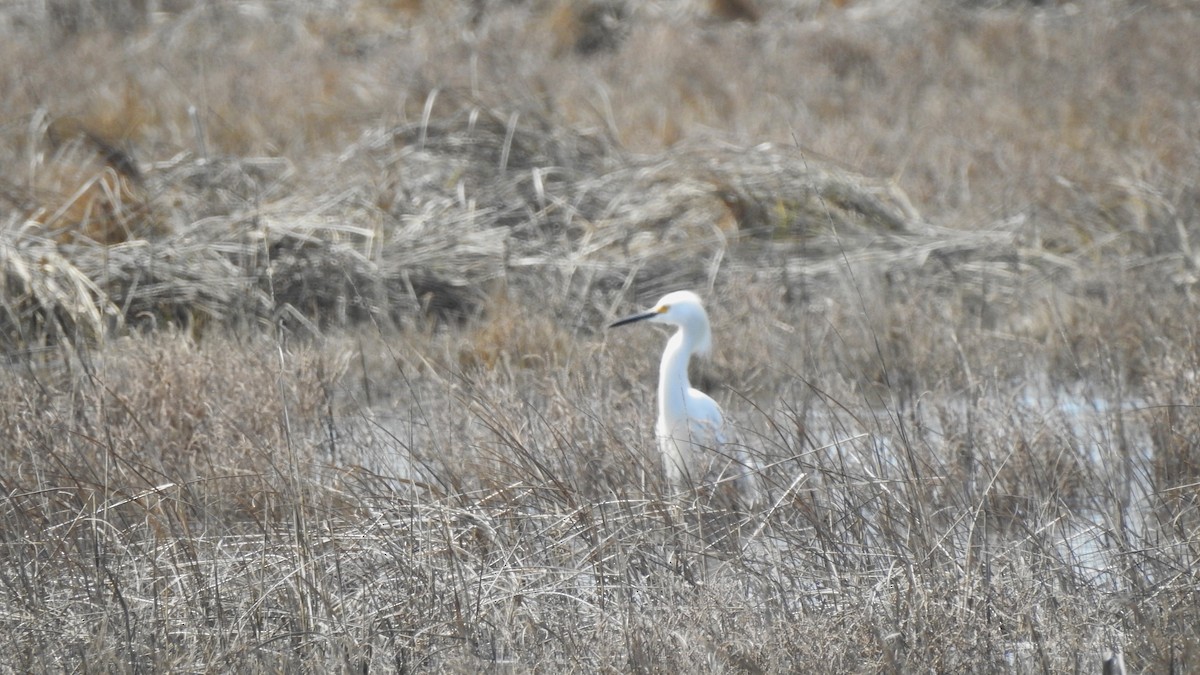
(305, 368)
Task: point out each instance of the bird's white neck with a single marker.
(673, 382)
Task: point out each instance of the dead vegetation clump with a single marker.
(735, 10)
(461, 201)
(88, 190)
(586, 28)
(508, 337)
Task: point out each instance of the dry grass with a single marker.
(302, 308)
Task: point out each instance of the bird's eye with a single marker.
(662, 309)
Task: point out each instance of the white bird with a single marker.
(690, 428)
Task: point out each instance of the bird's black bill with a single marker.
(630, 319)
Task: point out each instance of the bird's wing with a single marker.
(728, 458)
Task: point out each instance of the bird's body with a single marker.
(690, 424)
(690, 429)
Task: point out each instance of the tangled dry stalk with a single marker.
(302, 308)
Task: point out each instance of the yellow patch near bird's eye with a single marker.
(662, 309)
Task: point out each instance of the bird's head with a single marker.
(680, 308)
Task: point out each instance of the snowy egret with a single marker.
(690, 428)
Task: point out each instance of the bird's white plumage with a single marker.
(690, 429)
